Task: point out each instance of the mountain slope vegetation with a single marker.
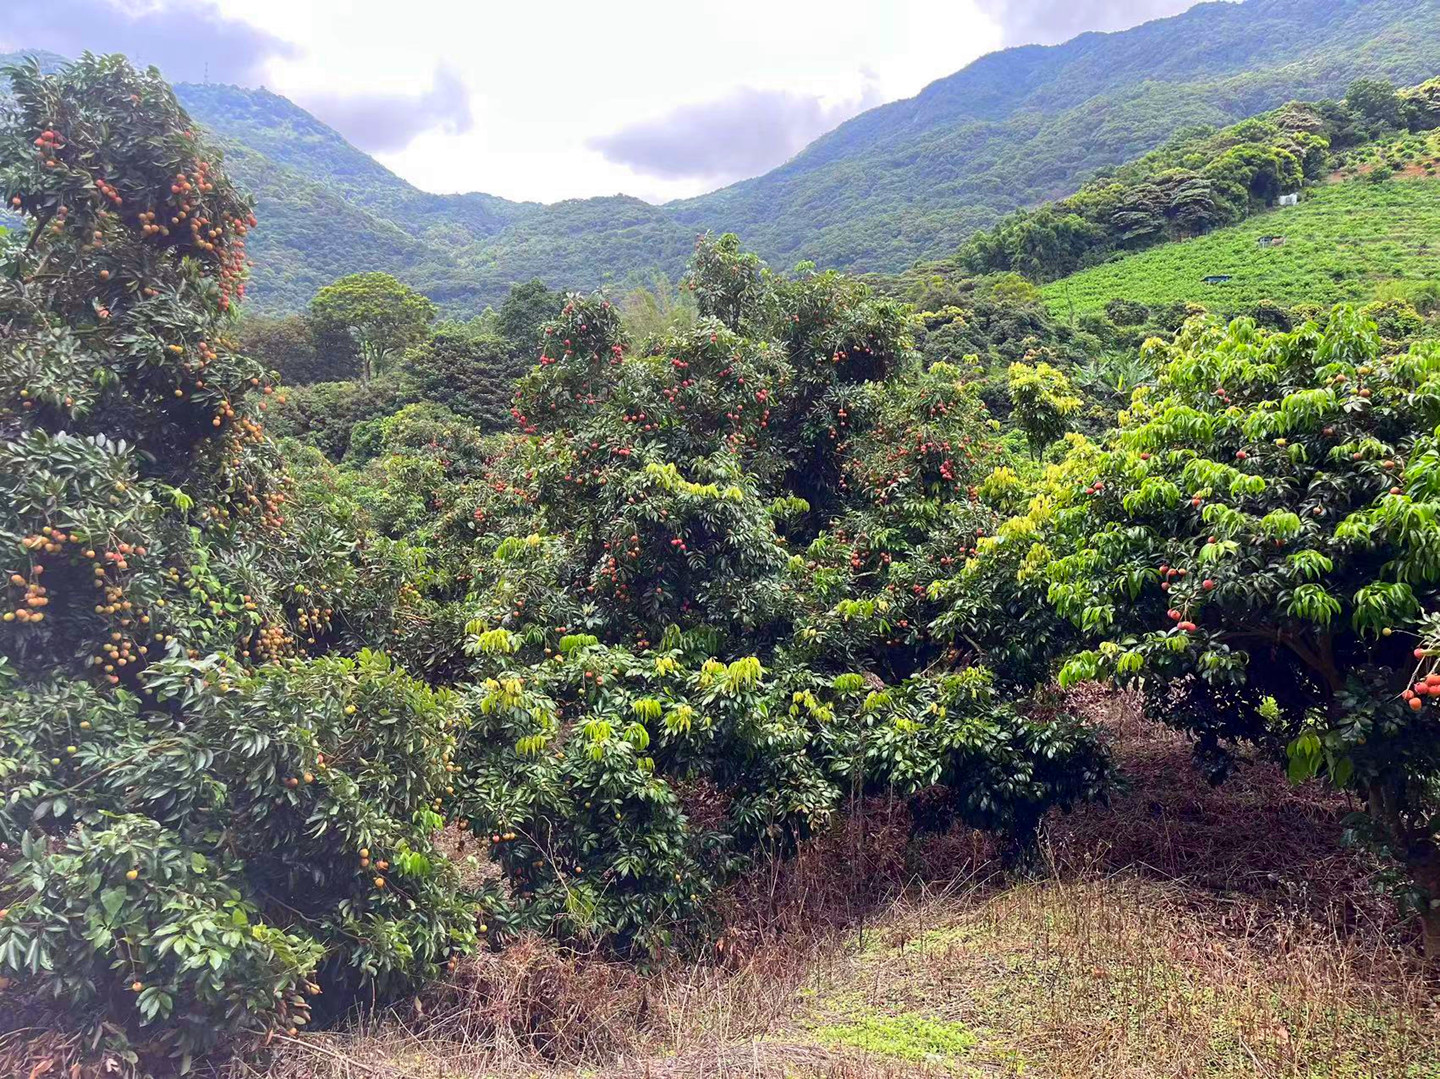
(915, 177)
(338, 701)
(902, 182)
(329, 208)
(1342, 243)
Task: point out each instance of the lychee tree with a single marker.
(1258, 547)
(202, 823)
(1045, 403)
(680, 662)
(620, 788)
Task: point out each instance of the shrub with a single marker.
(1126, 312)
(203, 820)
(620, 788)
(246, 834)
(1256, 547)
(326, 414)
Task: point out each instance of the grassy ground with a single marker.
(1344, 242)
(1185, 931)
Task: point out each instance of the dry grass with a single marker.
(1122, 976)
(1185, 931)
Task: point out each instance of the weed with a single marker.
(907, 1037)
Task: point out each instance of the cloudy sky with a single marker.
(560, 99)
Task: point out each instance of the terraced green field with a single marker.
(1342, 242)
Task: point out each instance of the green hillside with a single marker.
(903, 182)
(1342, 242)
(913, 178)
(291, 137)
(327, 208)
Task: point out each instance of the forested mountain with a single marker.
(330, 208)
(915, 177)
(905, 181)
(289, 136)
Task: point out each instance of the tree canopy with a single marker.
(379, 315)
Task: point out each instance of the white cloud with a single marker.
(742, 134)
(547, 79)
(514, 98)
(1047, 22)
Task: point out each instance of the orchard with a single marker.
(222, 788)
(263, 716)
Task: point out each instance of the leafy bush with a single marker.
(326, 414)
(662, 690)
(469, 372)
(1256, 547)
(246, 835)
(620, 788)
(202, 822)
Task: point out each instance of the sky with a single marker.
(559, 99)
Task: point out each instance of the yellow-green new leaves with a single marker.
(646, 708)
(743, 674)
(496, 642)
(1044, 402)
(1384, 605)
(806, 700)
(1202, 475)
(668, 478)
(1280, 524)
(512, 547)
(572, 641)
(1305, 407)
(682, 719)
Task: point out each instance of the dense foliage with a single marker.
(201, 825)
(747, 556)
(664, 689)
(1186, 188)
(467, 367)
(673, 624)
(1255, 546)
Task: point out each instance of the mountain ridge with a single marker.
(905, 181)
(1230, 42)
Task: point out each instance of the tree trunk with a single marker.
(1419, 851)
(1430, 934)
(1426, 871)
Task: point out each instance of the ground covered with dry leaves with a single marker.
(1184, 931)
